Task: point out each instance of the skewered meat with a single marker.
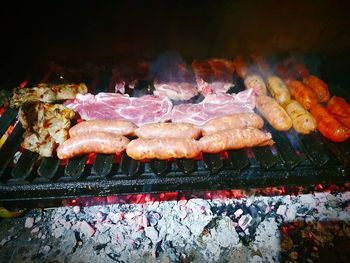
(234, 139)
(175, 90)
(46, 93)
(234, 121)
(278, 90)
(240, 67)
(273, 113)
(302, 93)
(94, 142)
(256, 83)
(163, 148)
(142, 110)
(339, 106)
(213, 106)
(46, 126)
(319, 87)
(168, 130)
(117, 127)
(303, 122)
(328, 125)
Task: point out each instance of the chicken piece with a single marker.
(46, 93)
(46, 126)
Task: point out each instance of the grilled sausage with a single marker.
(117, 127)
(257, 83)
(234, 121)
(240, 67)
(303, 122)
(273, 113)
(278, 90)
(93, 142)
(319, 87)
(343, 120)
(328, 125)
(163, 148)
(234, 139)
(339, 106)
(168, 130)
(300, 70)
(302, 93)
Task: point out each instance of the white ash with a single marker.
(197, 230)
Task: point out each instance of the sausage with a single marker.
(117, 127)
(300, 70)
(328, 125)
(302, 93)
(273, 113)
(343, 120)
(278, 90)
(234, 121)
(93, 142)
(303, 122)
(240, 67)
(163, 148)
(257, 83)
(235, 139)
(168, 130)
(319, 87)
(339, 106)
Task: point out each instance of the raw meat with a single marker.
(213, 106)
(216, 87)
(176, 90)
(142, 110)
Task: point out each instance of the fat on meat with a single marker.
(213, 106)
(216, 87)
(176, 90)
(104, 106)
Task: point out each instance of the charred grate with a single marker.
(293, 160)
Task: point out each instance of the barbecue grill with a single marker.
(295, 160)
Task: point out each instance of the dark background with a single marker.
(77, 32)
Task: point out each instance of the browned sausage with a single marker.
(234, 121)
(273, 113)
(235, 139)
(168, 130)
(257, 83)
(303, 122)
(93, 142)
(117, 127)
(164, 148)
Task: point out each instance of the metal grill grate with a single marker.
(293, 160)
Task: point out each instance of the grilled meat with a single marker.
(46, 126)
(47, 93)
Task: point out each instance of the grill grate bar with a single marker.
(6, 120)
(130, 166)
(48, 167)
(10, 147)
(315, 149)
(25, 165)
(75, 167)
(264, 157)
(238, 160)
(103, 164)
(213, 162)
(187, 166)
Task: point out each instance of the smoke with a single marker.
(170, 67)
